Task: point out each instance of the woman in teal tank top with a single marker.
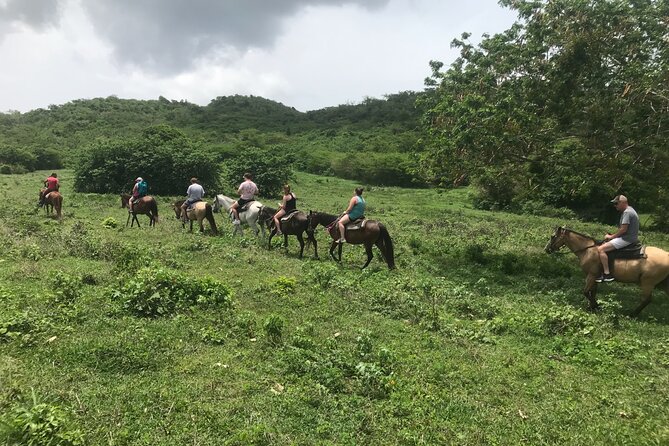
(355, 210)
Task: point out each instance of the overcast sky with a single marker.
(305, 54)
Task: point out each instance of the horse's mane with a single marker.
(579, 233)
(326, 215)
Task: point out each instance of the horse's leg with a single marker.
(285, 240)
(191, 226)
(332, 248)
(127, 222)
(271, 235)
(368, 250)
(134, 217)
(590, 291)
(313, 240)
(646, 297)
(299, 239)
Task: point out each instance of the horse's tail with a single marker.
(154, 210)
(210, 218)
(58, 204)
(387, 243)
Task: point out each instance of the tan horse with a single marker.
(54, 200)
(199, 212)
(146, 205)
(649, 273)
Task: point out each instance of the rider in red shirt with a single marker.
(51, 184)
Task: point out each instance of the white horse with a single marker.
(248, 217)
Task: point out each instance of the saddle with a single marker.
(192, 205)
(245, 206)
(357, 224)
(633, 251)
(290, 215)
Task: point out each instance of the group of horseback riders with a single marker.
(627, 234)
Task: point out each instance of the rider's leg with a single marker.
(184, 214)
(342, 230)
(277, 222)
(233, 209)
(603, 257)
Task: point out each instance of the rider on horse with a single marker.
(195, 193)
(139, 190)
(628, 233)
(247, 192)
(355, 210)
(288, 205)
(51, 184)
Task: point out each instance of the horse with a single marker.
(372, 233)
(146, 205)
(248, 217)
(649, 273)
(296, 225)
(199, 211)
(55, 200)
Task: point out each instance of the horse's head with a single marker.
(312, 222)
(177, 208)
(557, 241)
(125, 198)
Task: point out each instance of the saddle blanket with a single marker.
(631, 252)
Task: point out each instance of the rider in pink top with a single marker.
(247, 192)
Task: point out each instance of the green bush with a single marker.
(66, 288)
(162, 155)
(38, 424)
(157, 292)
(271, 169)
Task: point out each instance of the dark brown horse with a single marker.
(296, 225)
(54, 201)
(198, 211)
(146, 205)
(651, 272)
(373, 233)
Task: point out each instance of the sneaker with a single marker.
(341, 240)
(608, 278)
(600, 279)
(236, 222)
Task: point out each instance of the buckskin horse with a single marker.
(249, 216)
(294, 224)
(372, 233)
(198, 211)
(54, 201)
(649, 272)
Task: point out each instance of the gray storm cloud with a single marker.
(34, 13)
(168, 36)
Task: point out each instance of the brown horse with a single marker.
(648, 273)
(296, 225)
(199, 211)
(373, 233)
(54, 200)
(146, 205)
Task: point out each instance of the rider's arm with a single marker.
(350, 205)
(621, 231)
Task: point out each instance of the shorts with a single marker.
(619, 243)
(241, 202)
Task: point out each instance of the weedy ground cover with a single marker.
(158, 336)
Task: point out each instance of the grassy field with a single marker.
(478, 337)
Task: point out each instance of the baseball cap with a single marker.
(618, 198)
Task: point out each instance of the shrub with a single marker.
(35, 423)
(270, 169)
(157, 292)
(66, 288)
(109, 223)
(274, 328)
(168, 160)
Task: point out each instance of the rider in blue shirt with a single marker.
(355, 210)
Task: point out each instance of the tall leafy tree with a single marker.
(568, 106)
